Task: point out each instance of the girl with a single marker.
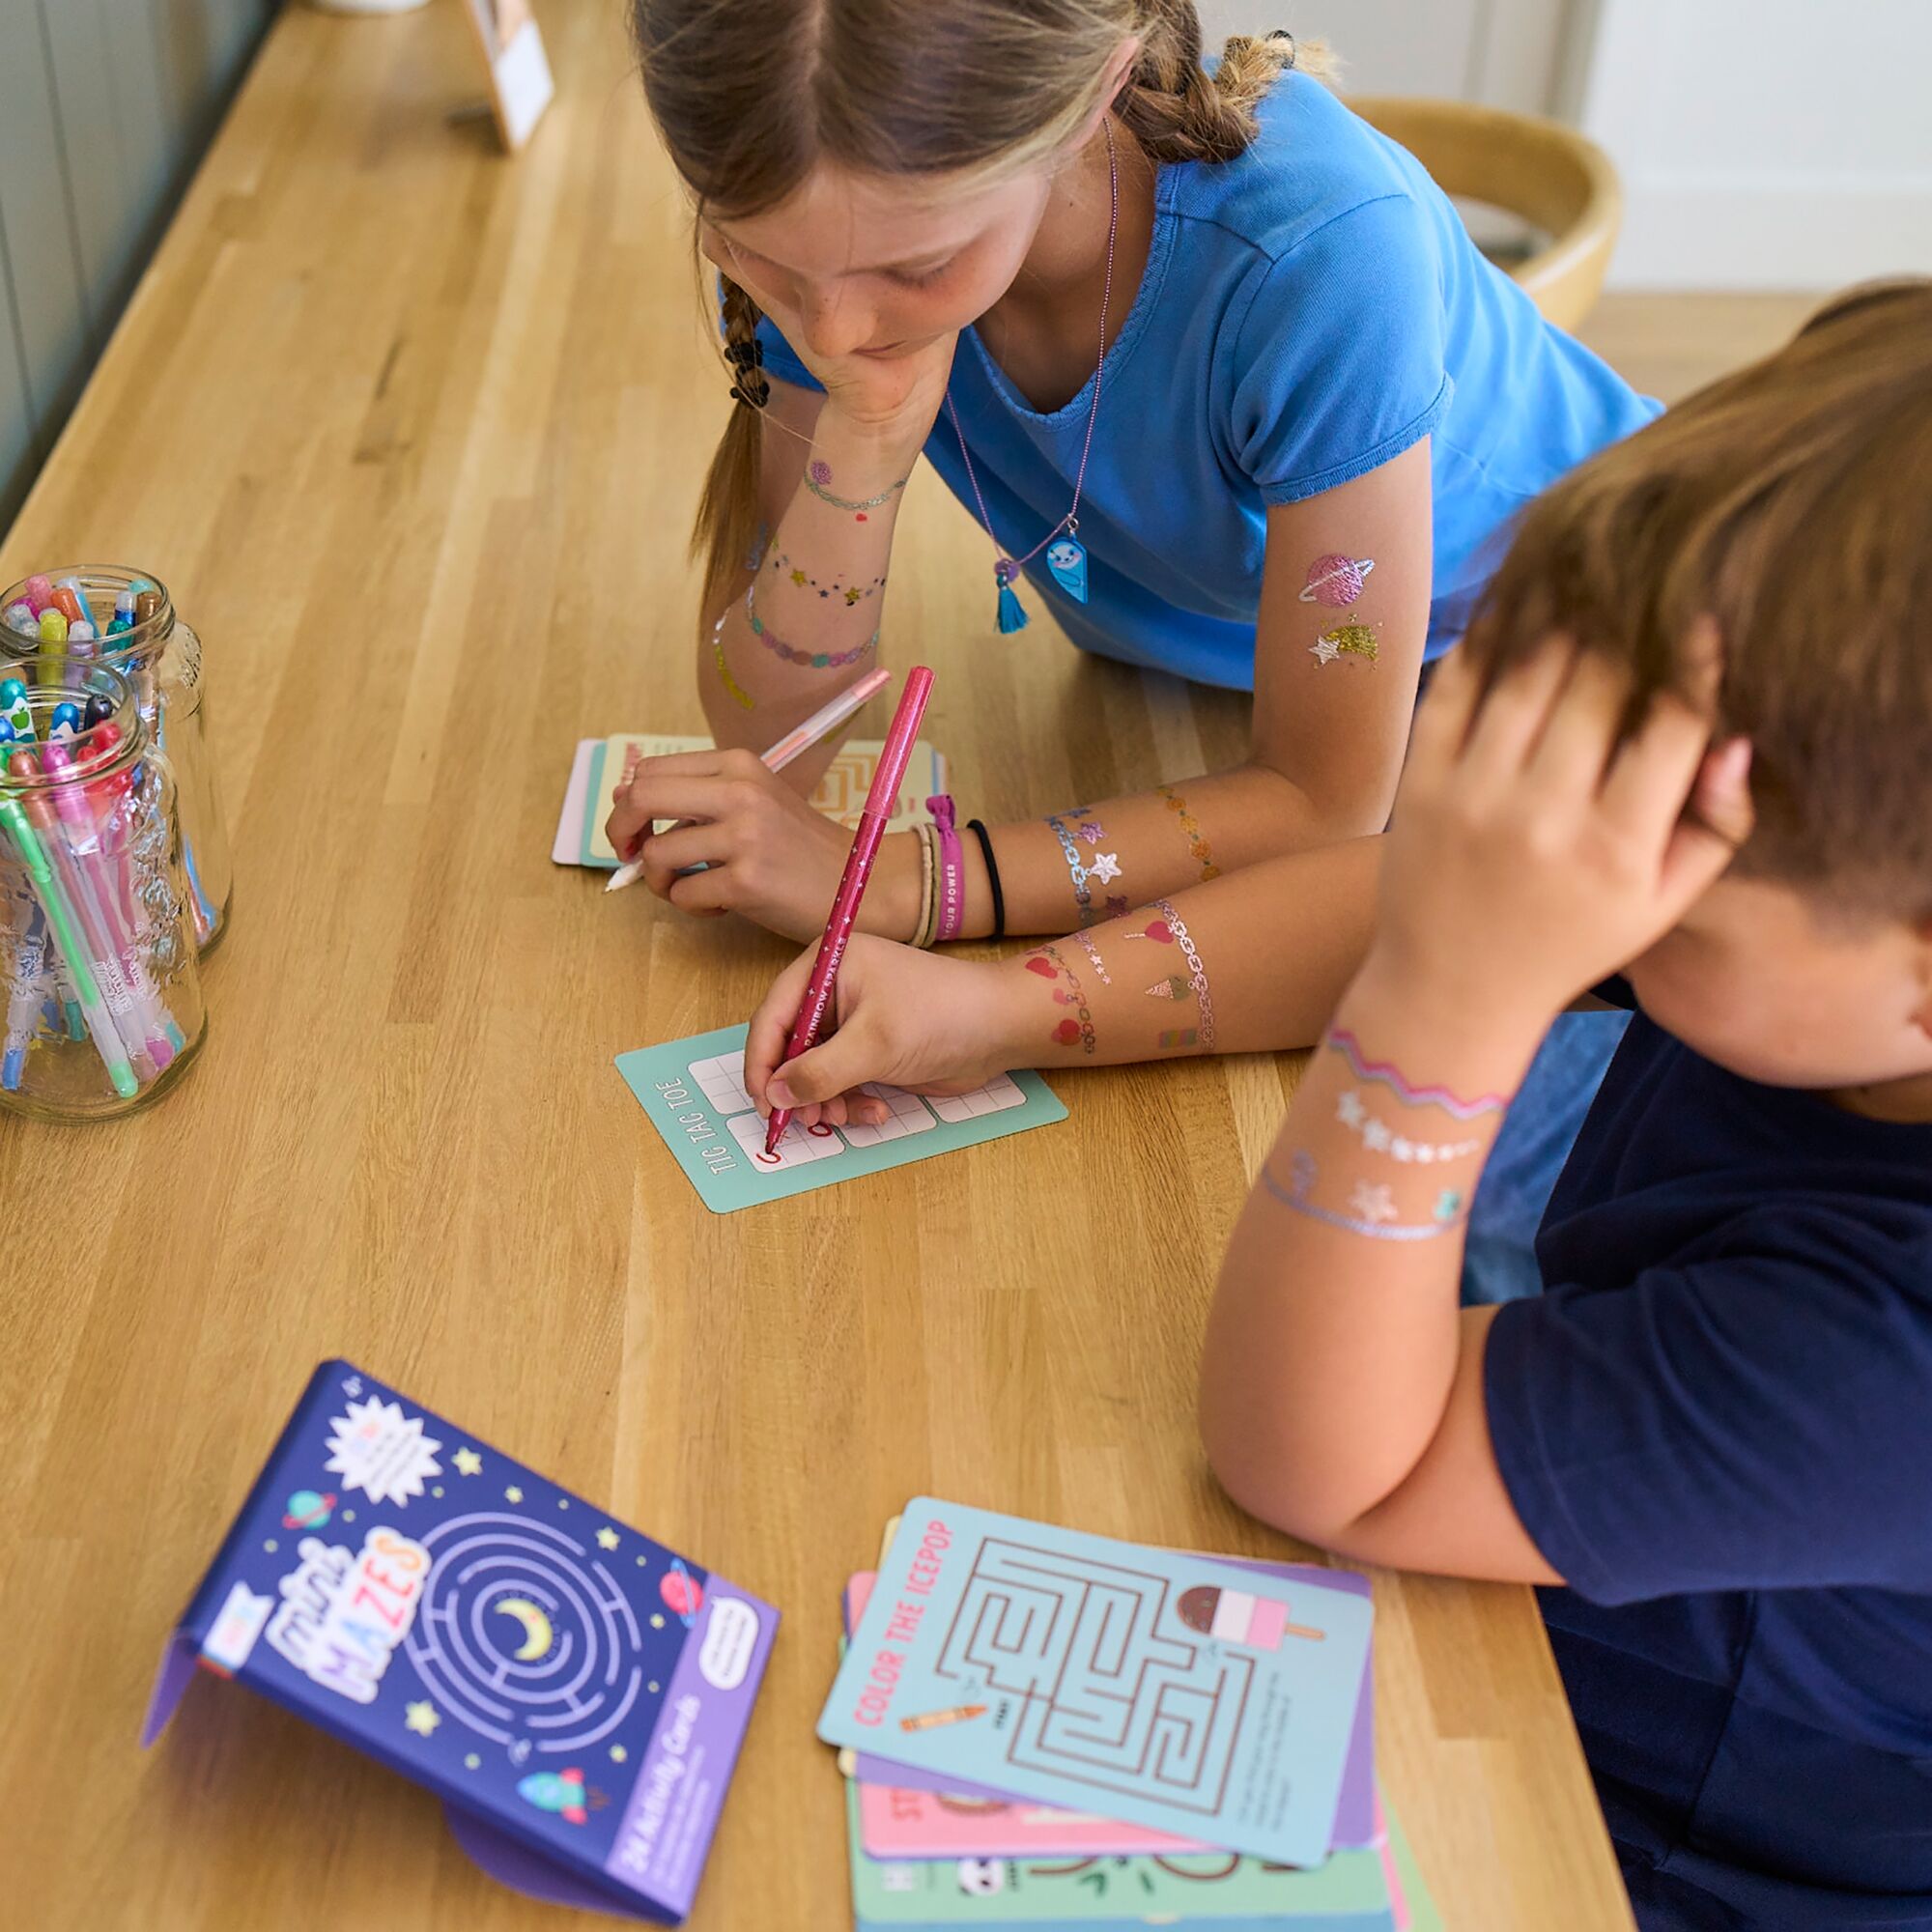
(1215, 366)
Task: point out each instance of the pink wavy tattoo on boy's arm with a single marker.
(1385, 1073)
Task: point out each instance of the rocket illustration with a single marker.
(558, 1791)
(1238, 1616)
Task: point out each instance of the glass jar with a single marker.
(99, 968)
(160, 656)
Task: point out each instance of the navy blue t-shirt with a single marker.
(1717, 1425)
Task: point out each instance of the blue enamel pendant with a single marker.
(1066, 559)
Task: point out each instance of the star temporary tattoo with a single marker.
(1372, 1201)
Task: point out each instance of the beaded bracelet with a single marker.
(817, 660)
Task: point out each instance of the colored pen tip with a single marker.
(624, 875)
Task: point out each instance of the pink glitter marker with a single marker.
(887, 778)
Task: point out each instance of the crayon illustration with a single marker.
(1237, 1616)
(932, 1720)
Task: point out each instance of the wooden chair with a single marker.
(1558, 180)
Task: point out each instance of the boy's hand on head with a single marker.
(904, 1017)
(1533, 852)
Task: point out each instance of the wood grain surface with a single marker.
(414, 433)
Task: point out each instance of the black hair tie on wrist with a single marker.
(986, 838)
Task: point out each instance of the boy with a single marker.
(1709, 653)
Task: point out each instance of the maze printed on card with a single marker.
(1105, 1699)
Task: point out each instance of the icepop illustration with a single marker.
(1238, 1616)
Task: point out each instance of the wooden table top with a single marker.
(414, 433)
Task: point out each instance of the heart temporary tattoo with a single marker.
(1048, 963)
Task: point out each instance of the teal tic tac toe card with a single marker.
(694, 1091)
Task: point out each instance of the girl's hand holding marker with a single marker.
(738, 787)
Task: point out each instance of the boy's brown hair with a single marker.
(1791, 501)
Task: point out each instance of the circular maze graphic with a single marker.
(523, 1636)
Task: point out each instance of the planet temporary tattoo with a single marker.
(1336, 581)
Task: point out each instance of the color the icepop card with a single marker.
(575, 1692)
(694, 1091)
(910, 1814)
(1162, 1688)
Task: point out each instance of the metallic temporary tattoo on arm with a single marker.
(1385, 1073)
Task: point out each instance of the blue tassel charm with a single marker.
(1012, 612)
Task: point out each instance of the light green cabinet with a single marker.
(106, 106)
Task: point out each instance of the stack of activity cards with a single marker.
(1043, 1728)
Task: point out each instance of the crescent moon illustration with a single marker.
(536, 1626)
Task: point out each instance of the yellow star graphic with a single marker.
(618, 1753)
(607, 1538)
(513, 1495)
(468, 1462)
(657, 1623)
(421, 1718)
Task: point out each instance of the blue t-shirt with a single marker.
(1309, 311)
(1716, 1424)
